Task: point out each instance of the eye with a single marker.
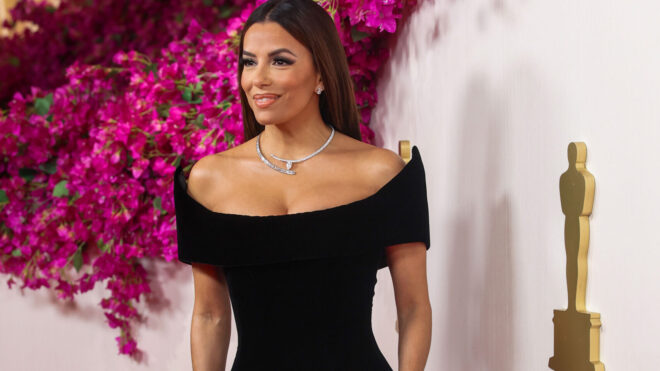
(278, 60)
(283, 60)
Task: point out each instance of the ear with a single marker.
(319, 82)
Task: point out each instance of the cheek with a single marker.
(294, 80)
(245, 83)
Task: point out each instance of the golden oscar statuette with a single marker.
(577, 331)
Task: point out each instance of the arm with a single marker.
(211, 320)
(407, 263)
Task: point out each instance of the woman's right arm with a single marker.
(211, 320)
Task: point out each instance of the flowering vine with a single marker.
(92, 32)
(85, 176)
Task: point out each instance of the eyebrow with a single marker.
(276, 51)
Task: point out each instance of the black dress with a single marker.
(302, 285)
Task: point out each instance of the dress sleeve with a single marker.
(187, 232)
(199, 238)
(405, 210)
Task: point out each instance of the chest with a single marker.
(269, 198)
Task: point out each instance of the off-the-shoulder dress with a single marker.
(301, 285)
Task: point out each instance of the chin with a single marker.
(268, 118)
(265, 121)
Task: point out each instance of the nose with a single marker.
(261, 75)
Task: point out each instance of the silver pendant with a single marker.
(289, 163)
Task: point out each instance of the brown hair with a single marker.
(313, 27)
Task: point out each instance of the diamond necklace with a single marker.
(289, 163)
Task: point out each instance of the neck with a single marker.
(294, 140)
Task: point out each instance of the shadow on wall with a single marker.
(409, 46)
(480, 296)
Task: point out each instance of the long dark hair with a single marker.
(313, 27)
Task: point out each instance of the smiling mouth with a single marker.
(264, 102)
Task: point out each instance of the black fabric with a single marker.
(302, 285)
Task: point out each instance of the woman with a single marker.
(290, 227)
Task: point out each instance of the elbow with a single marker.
(209, 316)
(414, 310)
(214, 314)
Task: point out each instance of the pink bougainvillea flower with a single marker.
(96, 124)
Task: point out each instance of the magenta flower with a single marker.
(85, 188)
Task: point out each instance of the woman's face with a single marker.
(280, 70)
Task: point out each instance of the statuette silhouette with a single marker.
(577, 332)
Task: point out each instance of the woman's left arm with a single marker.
(407, 263)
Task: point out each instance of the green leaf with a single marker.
(226, 11)
(229, 137)
(153, 68)
(16, 253)
(60, 189)
(177, 161)
(27, 174)
(224, 105)
(357, 35)
(77, 258)
(49, 167)
(187, 94)
(3, 196)
(14, 61)
(103, 246)
(74, 198)
(163, 110)
(42, 105)
(158, 205)
(199, 121)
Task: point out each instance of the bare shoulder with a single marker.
(206, 174)
(382, 164)
(201, 178)
(377, 165)
(374, 159)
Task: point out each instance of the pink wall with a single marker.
(40, 332)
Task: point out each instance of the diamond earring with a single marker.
(319, 90)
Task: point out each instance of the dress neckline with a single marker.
(178, 177)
